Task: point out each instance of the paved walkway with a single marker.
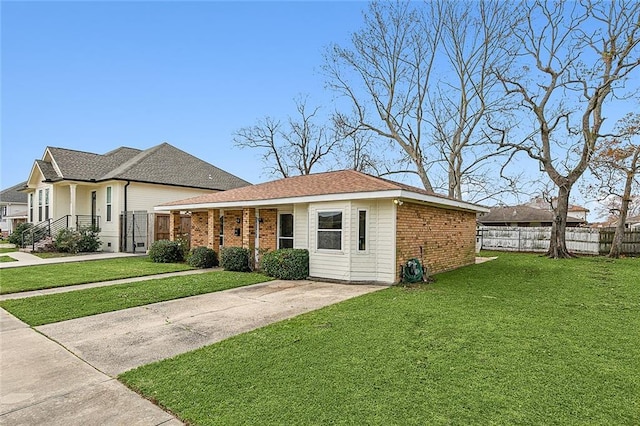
(28, 259)
(62, 373)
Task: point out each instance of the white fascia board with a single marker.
(456, 204)
(394, 193)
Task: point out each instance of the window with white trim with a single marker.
(109, 190)
(285, 230)
(362, 230)
(329, 230)
(40, 205)
(31, 207)
(46, 204)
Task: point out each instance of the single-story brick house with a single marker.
(356, 227)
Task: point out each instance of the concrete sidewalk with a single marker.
(28, 259)
(59, 374)
(43, 383)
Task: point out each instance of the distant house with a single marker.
(13, 208)
(356, 227)
(115, 192)
(535, 213)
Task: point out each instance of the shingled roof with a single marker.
(11, 195)
(161, 164)
(336, 183)
(521, 214)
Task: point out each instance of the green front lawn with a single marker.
(7, 259)
(519, 340)
(51, 308)
(26, 278)
(7, 250)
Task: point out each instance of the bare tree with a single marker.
(391, 60)
(616, 164)
(475, 41)
(422, 76)
(575, 58)
(294, 148)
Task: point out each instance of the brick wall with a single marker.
(213, 229)
(268, 229)
(199, 229)
(230, 224)
(448, 237)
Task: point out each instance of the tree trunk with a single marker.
(616, 245)
(558, 245)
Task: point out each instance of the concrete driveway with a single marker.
(119, 341)
(71, 382)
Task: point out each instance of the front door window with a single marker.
(285, 231)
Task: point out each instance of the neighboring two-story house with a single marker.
(116, 192)
(13, 208)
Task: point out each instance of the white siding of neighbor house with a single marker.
(143, 196)
(376, 263)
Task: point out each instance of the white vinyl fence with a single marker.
(536, 239)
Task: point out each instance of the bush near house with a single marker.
(166, 251)
(286, 264)
(84, 240)
(202, 257)
(235, 259)
(16, 235)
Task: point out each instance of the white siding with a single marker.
(363, 263)
(142, 196)
(301, 226)
(328, 263)
(386, 240)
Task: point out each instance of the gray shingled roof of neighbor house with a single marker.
(520, 214)
(161, 164)
(11, 194)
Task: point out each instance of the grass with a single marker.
(519, 340)
(55, 254)
(8, 250)
(7, 259)
(63, 274)
(51, 308)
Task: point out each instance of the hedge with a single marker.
(286, 264)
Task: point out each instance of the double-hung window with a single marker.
(31, 207)
(40, 205)
(109, 195)
(46, 204)
(329, 230)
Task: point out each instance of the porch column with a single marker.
(174, 225)
(213, 234)
(249, 232)
(72, 204)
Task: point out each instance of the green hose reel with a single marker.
(412, 271)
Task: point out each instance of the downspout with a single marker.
(124, 217)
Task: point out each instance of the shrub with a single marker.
(67, 241)
(202, 257)
(165, 251)
(83, 241)
(16, 235)
(235, 259)
(89, 241)
(286, 264)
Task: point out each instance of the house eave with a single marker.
(399, 194)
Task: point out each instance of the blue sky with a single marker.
(97, 75)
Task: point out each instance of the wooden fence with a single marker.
(536, 239)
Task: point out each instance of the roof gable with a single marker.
(161, 164)
(12, 195)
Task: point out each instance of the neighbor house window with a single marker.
(40, 205)
(46, 204)
(285, 234)
(362, 230)
(108, 204)
(330, 230)
(3, 211)
(31, 207)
